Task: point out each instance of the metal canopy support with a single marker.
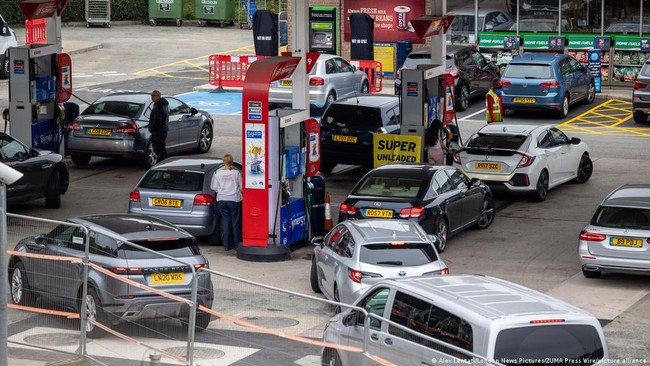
(300, 47)
(439, 41)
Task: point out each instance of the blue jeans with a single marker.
(231, 223)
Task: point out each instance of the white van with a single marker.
(7, 39)
(484, 320)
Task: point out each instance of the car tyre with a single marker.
(441, 233)
(331, 98)
(216, 238)
(541, 190)
(4, 67)
(591, 274)
(202, 320)
(19, 286)
(640, 117)
(585, 169)
(153, 22)
(150, 158)
(53, 191)
(205, 139)
(337, 298)
(327, 167)
(564, 109)
(487, 214)
(462, 102)
(331, 358)
(94, 311)
(364, 88)
(313, 278)
(591, 94)
(80, 159)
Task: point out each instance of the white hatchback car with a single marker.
(524, 158)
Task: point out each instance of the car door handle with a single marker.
(36, 247)
(46, 166)
(388, 341)
(374, 337)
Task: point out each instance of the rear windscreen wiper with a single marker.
(395, 263)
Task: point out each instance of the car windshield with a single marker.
(390, 186)
(528, 71)
(645, 71)
(402, 254)
(177, 248)
(509, 142)
(352, 117)
(119, 108)
(465, 23)
(177, 180)
(558, 344)
(622, 217)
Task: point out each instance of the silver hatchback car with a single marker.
(618, 237)
(332, 78)
(357, 253)
(110, 301)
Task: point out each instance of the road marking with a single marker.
(472, 115)
(308, 360)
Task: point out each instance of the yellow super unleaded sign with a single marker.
(391, 148)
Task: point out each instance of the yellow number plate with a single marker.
(342, 138)
(165, 278)
(523, 100)
(626, 242)
(99, 131)
(286, 83)
(388, 214)
(165, 202)
(488, 166)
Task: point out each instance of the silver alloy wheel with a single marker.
(464, 97)
(442, 235)
(91, 312)
(16, 285)
(152, 158)
(542, 185)
(565, 106)
(364, 88)
(592, 93)
(487, 214)
(205, 139)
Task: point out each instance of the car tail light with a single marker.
(348, 209)
(589, 236)
(126, 271)
(201, 265)
(441, 272)
(134, 196)
(316, 81)
(130, 129)
(405, 213)
(550, 84)
(506, 82)
(74, 126)
(397, 244)
(546, 321)
(639, 85)
(456, 156)
(203, 199)
(356, 276)
(526, 159)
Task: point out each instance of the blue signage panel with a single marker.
(593, 65)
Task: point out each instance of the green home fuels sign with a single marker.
(491, 41)
(532, 42)
(581, 42)
(628, 43)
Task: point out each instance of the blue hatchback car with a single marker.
(546, 81)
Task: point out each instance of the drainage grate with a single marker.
(272, 322)
(200, 353)
(54, 339)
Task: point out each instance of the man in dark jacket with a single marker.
(158, 124)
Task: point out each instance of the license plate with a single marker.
(523, 100)
(343, 138)
(165, 278)
(371, 212)
(626, 242)
(165, 202)
(488, 166)
(99, 131)
(286, 83)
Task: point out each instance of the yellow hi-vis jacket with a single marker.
(495, 107)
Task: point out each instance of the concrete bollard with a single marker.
(154, 359)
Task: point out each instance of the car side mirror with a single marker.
(33, 152)
(317, 240)
(575, 140)
(193, 111)
(474, 182)
(352, 319)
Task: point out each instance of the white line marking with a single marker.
(104, 72)
(82, 76)
(472, 115)
(109, 75)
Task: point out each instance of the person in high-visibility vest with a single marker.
(493, 103)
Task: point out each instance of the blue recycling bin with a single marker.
(403, 50)
(317, 212)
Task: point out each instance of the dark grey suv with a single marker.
(641, 95)
(110, 301)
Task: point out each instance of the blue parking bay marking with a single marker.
(226, 103)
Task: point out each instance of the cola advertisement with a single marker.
(391, 18)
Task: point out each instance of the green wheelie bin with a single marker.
(165, 10)
(220, 12)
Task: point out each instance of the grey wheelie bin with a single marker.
(165, 10)
(220, 12)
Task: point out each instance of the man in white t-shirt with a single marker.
(227, 183)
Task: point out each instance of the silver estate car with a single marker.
(618, 237)
(116, 126)
(332, 78)
(357, 253)
(110, 301)
(178, 191)
(641, 95)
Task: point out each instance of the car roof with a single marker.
(382, 230)
(369, 100)
(471, 11)
(511, 128)
(629, 195)
(181, 162)
(485, 296)
(325, 56)
(137, 97)
(130, 226)
(538, 58)
(406, 169)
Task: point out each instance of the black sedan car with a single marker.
(442, 199)
(116, 126)
(44, 173)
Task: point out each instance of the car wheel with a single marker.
(331, 358)
(20, 292)
(153, 22)
(331, 98)
(202, 320)
(640, 117)
(564, 109)
(53, 191)
(216, 238)
(591, 274)
(94, 311)
(585, 169)
(150, 158)
(364, 88)
(591, 94)
(205, 139)
(313, 278)
(487, 214)
(441, 234)
(337, 298)
(80, 159)
(4, 67)
(541, 191)
(326, 167)
(462, 101)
